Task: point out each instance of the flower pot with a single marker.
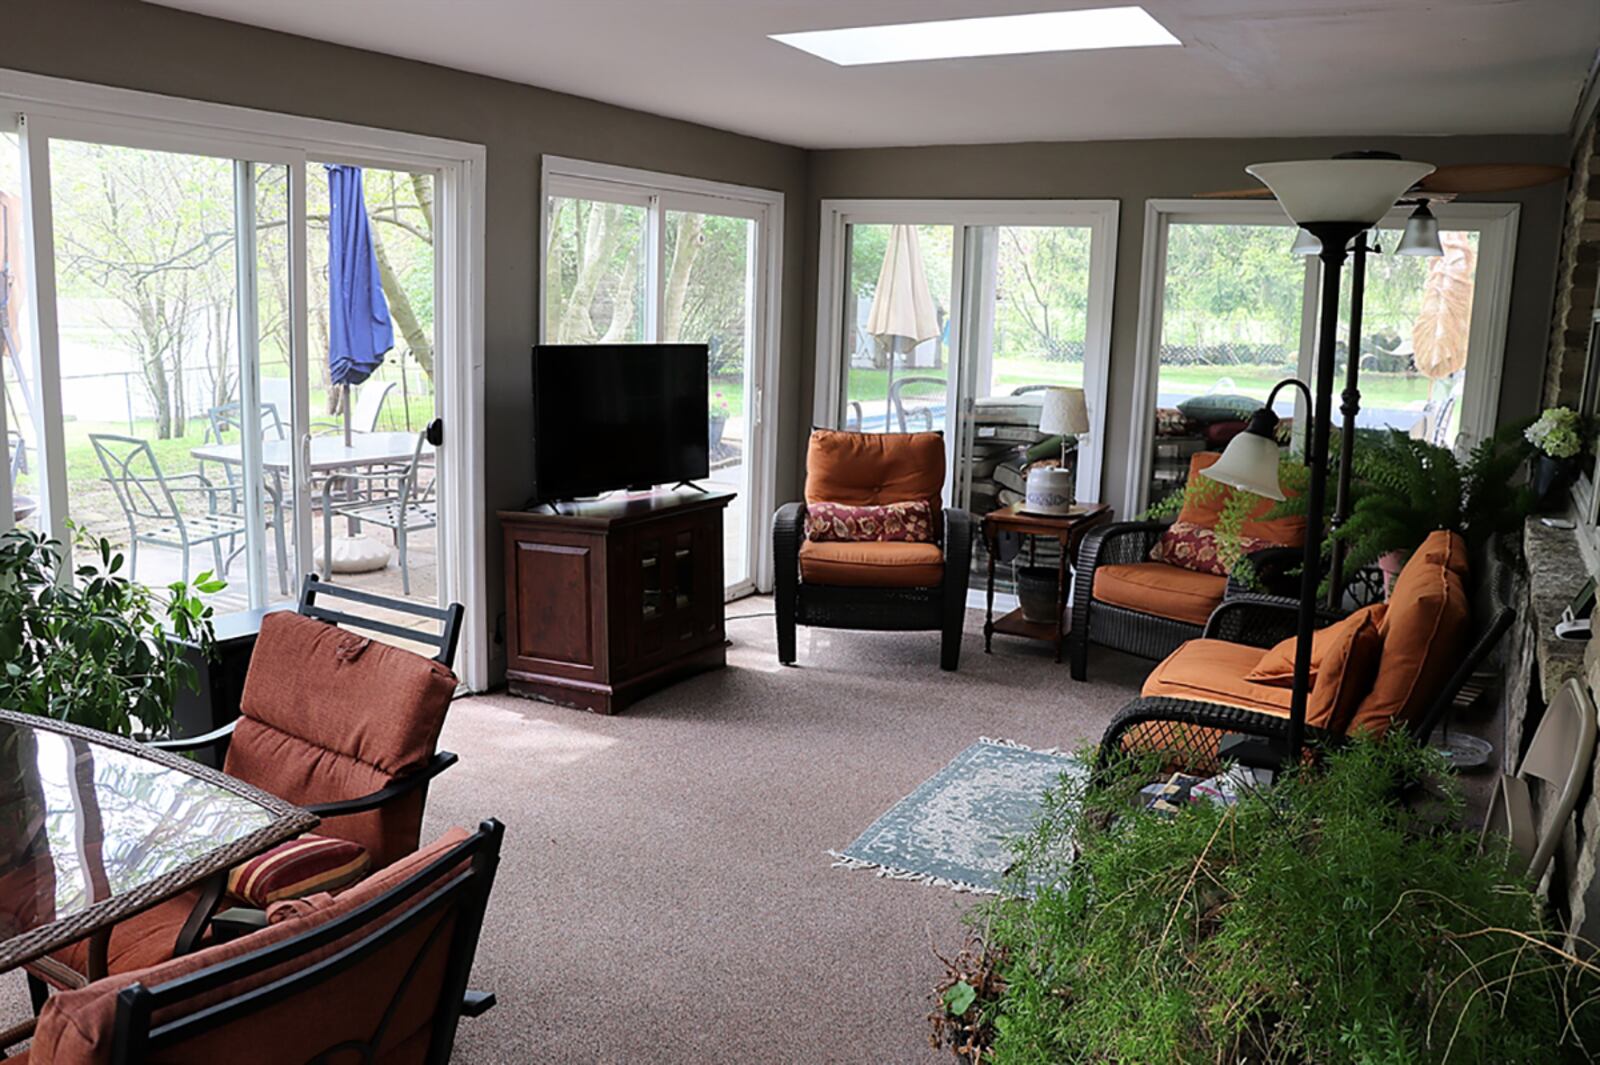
(1551, 479)
(1036, 591)
(1391, 563)
(716, 423)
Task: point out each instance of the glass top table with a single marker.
(95, 828)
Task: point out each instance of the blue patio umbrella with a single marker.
(359, 329)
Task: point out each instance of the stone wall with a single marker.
(1577, 278)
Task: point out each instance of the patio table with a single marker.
(95, 828)
(329, 455)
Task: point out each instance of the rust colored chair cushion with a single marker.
(76, 1027)
(1159, 589)
(329, 715)
(1277, 665)
(1212, 671)
(145, 939)
(1349, 663)
(1204, 508)
(1425, 633)
(869, 469)
(908, 521)
(872, 565)
(298, 867)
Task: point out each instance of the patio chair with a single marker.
(395, 499)
(229, 418)
(341, 725)
(885, 586)
(1434, 638)
(370, 399)
(897, 400)
(1558, 762)
(377, 973)
(149, 500)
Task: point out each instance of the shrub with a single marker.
(1322, 922)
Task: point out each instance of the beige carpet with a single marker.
(665, 894)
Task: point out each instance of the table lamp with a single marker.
(1065, 413)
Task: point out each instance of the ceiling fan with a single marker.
(1441, 186)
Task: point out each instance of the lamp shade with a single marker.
(1065, 411)
(1250, 461)
(1305, 243)
(1339, 190)
(1421, 236)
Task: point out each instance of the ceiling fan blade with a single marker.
(1491, 177)
(1260, 192)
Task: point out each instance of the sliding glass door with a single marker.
(641, 258)
(227, 361)
(955, 317)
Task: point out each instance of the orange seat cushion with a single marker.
(869, 469)
(1204, 508)
(872, 564)
(328, 714)
(145, 939)
(1424, 634)
(1277, 665)
(76, 1027)
(1212, 671)
(1159, 589)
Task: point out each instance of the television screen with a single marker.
(611, 416)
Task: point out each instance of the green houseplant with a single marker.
(1322, 921)
(93, 647)
(1557, 437)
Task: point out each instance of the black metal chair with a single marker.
(396, 964)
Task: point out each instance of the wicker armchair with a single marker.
(1187, 734)
(853, 468)
(1135, 631)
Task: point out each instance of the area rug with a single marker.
(956, 829)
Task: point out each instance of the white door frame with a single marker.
(163, 122)
(659, 193)
(1099, 216)
(1495, 224)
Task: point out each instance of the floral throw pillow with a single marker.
(1195, 547)
(910, 521)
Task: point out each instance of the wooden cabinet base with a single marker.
(609, 601)
(612, 698)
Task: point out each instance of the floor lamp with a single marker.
(1335, 200)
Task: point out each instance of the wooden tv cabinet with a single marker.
(611, 600)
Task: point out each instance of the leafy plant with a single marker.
(1322, 921)
(1405, 488)
(93, 647)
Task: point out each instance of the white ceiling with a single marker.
(1248, 67)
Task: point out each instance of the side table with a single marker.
(1067, 530)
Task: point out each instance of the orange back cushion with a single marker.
(1424, 633)
(1277, 665)
(76, 1027)
(870, 469)
(328, 715)
(1349, 662)
(1204, 508)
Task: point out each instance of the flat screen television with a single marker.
(609, 416)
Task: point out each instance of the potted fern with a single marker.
(1405, 488)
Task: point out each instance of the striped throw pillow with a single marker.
(297, 868)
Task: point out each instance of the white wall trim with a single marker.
(1099, 216)
(579, 178)
(1496, 224)
(153, 120)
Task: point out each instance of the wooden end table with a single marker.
(1067, 530)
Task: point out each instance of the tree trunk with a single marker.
(622, 309)
(600, 241)
(691, 238)
(416, 337)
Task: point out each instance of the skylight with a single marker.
(1048, 31)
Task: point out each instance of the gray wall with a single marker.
(1135, 171)
(135, 45)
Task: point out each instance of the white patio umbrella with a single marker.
(903, 314)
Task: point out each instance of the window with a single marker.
(634, 257)
(1231, 310)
